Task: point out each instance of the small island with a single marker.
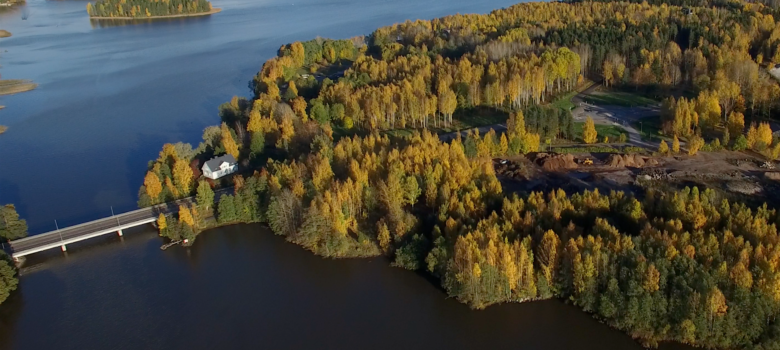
(9, 3)
(139, 9)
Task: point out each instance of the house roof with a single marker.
(214, 163)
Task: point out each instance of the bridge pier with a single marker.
(64, 249)
(119, 233)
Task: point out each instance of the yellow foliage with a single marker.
(589, 134)
(736, 123)
(228, 142)
(663, 148)
(752, 136)
(182, 176)
(153, 186)
(764, 134)
(161, 222)
(185, 216)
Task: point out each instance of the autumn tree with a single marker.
(228, 143)
(205, 195)
(736, 123)
(764, 135)
(11, 226)
(589, 134)
(153, 186)
(182, 175)
(185, 215)
(663, 148)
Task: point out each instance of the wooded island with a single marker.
(136, 9)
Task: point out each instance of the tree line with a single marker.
(11, 227)
(146, 8)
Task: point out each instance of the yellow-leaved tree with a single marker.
(228, 142)
(153, 186)
(182, 176)
(185, 216)
(736, 123)
(663, 148)
(589, 134)
(752, 136)
(162, 224)
(764, 134)
(676, 145)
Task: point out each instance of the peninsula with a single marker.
(140, 9)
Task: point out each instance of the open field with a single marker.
(15, 86)
(609, 130)
(618, 98)
(483, 118)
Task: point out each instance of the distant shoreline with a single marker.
(213, 11)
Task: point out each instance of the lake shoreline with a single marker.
(213, 11)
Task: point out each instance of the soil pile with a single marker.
(743, 187)
(510, 169)
(630, 160)
(772, 175)
(556, 162)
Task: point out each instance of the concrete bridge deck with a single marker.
(112, 224)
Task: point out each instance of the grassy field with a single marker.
(649, 129)
(461, 120)
(611, 131)
(618, 98)
(564, 102)
(13, 86)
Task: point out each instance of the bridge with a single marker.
(60, 238)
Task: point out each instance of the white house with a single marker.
(220, 166)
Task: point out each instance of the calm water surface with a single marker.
(109, 96)
(242, 287)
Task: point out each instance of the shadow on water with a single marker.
(148, 22)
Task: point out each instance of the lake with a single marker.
(109, 96)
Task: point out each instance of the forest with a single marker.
(11, 227)
(146, 8)
(321, 167)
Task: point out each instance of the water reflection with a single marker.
(148, 22)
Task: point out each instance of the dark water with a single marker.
(242, 287)
(109, 97)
